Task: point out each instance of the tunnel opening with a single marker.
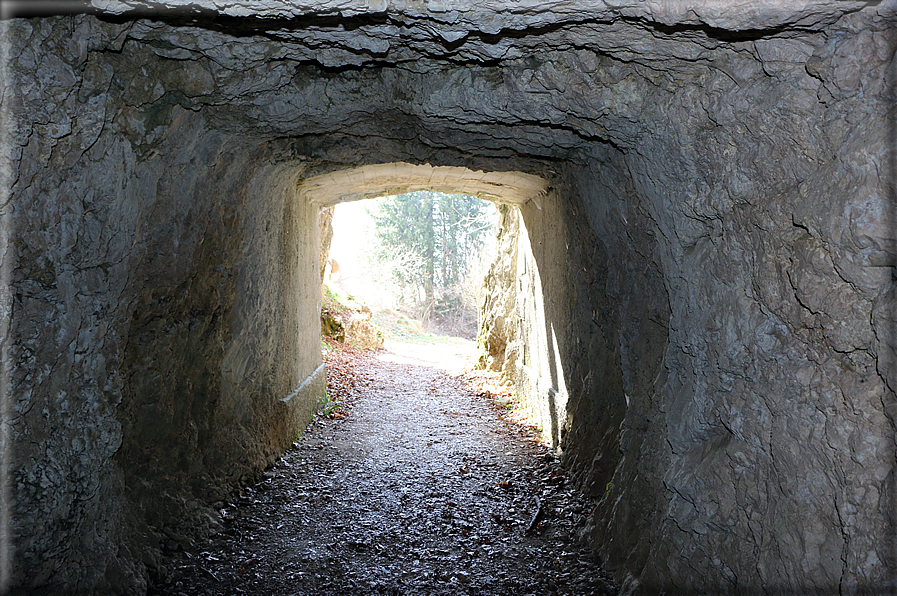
(433, 188)
(417, 259)
(709, 242)
(494, 320)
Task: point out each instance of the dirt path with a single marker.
(420, 488)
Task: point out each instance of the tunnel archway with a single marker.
(714, 258)
(380, 180)
(541, 386)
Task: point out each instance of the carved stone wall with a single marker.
(705, 294)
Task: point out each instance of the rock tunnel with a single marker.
(703, 287)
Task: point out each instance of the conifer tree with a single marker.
(436, 235)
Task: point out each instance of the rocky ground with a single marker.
(418, 484)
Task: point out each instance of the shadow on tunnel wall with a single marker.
(7, 122)
(169, 375)
(890, 298)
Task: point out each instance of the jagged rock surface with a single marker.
(362, 333)
(352, 327)
(326, 219)
(708, 288)
(497, 335)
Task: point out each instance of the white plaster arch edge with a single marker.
(378, 180)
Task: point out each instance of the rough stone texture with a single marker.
(380, 180)
(353, 327)
(462, 17)
(362, 333)
(332, 326)
(497, 345)
(156, 314)
(326, 231)
(706, 293)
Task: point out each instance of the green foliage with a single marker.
(326, 405)
(400, 328)
(342, 299)
(431, 239)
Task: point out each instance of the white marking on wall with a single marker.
(317, 373)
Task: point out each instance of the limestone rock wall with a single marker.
(774, 377)
(155, 318)
(326, 232)
(704, 298)
(497, 346)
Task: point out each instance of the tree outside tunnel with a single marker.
(421, 246)
(707, 251)
(430, 244)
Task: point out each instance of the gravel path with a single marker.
(420, 488)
